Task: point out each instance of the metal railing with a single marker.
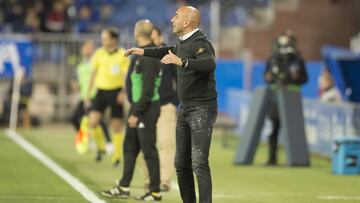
(55, 57)
(55, 60)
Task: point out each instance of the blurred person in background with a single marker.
(32, 22)
(284, 69)
(106, 14)
(2, 21)
(144, 81)
(109, 69)
(328, 92)
(166, 125)
(55, 20)
(15, 15)
(85, 20)
(83, 79)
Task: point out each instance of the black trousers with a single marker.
(193, 138)
(143, 138)
(77, 115)
(273, 114)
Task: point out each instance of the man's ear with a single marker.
(186, 23)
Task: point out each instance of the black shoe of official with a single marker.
(270, 163)
(99, 155)
(150, 197)
(116, 163)
(116, 192)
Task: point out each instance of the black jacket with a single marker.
(168, 86)
(196, 81)
(149, 70)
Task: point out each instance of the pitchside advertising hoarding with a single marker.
(15, 52)
(324, 122)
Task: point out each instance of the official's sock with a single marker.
(117, 140)
(98, 135)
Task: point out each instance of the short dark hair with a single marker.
(113, 32)
(157, 29)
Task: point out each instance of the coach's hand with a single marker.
(134, 50)
(171, 58)
(132, 121)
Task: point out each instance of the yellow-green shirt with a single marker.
(111, 68)
(84, 74)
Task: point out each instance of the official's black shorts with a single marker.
(105, 98)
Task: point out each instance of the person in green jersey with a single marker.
(83, 71)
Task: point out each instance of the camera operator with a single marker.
(284, 69)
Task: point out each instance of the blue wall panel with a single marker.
(229, 74)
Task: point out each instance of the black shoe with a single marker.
(150, 197)
(270, 163)
(164, 188)
(99, 155)
(116, 163)
(116, 192)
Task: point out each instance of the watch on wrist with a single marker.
(184, 63)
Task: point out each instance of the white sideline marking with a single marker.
(333, 197)
(43, 158)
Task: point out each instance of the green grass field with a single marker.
(24, 179)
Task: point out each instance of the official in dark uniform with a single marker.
(144, 112)
(166, 125)
(195, 59)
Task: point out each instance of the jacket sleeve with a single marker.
(204, 57)
(150, 71)
(173, 72)
(269, 64)
(303, 76)
(158, 52)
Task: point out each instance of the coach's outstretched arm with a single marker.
(155, 52)
(135, 51)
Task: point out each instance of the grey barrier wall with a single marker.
(323, 121)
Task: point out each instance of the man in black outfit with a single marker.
(166, 125)
(143, 84)
(195, 59)
(284, 68)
